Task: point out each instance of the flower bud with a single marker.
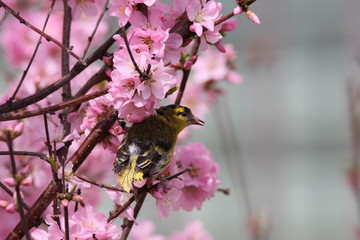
(237, 10)
(26, 182)
(77, 198)
(253, 17)
(10, 208)
(10, 181)
(188, 64)
(220, 46)
(65, 202)
(3, 203)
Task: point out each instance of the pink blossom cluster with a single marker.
(193, 230)
(192, 188)
(145, 70)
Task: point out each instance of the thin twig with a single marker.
(48, 144)
(96, 135)
(95, 79)
(32, 27)
(117, 212)
(127, 44)
(128, 226)
(96, 27)
(2, 20)
(8, 191)
(19, 202)
(43, 93)
(53, 108)
(186, 72)
(11, 99)
(26, 153)
(100, 185)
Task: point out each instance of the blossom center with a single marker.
(147, 41)
(199, 17)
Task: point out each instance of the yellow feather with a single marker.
(130, 174)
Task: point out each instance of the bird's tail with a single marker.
(130, 174)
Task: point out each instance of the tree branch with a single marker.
(96, 135)
(53, 108)
(11, 99)
(43, 93)
(19, 201)
(46, 36)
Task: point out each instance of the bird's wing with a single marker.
(137, 160)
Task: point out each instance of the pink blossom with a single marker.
(202, 15)
(167, 192)
(193, 231)
(40, 234)
(152, 41)
(83, 224)
(172, 45)
(120, 198)
(86, 7)
(144, 230)
(122, 9)
(200, 183)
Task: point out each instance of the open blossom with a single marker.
(86, 7)
(152, 41)
(134, 95)
(203, 14)
(201, 182)
(84, 224)
(122, 9)
(120, 198)
(166, 194)
(192, 188)
(145, 230)
(193, 231)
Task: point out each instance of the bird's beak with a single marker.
(195, 121)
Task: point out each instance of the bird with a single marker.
(147, 147)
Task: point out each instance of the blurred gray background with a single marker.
(290, 118)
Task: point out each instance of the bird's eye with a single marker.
(182, 114)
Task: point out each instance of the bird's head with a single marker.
(178, 116)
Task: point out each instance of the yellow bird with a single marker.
(148, 146)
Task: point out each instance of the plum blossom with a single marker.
(122, 9)
(152, 41)
(166, 193)
(202, 14)
(193, 187)
(144, 230)
(120, 198)
(133, 93)
(200, 183)
(83, 224)
(193, 231)
(86, 7)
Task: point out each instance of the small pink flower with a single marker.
(120, 198)
(202, 15)
(193, 230)
(200, 183)
(145, 230)
(122, 9)
(86, 7)
(166, 193)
